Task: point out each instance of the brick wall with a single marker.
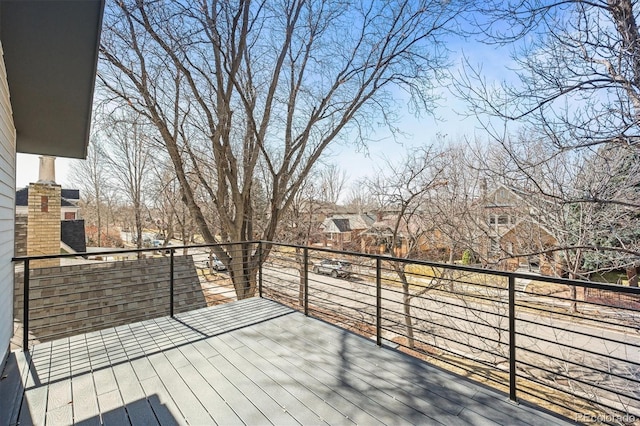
(69, 300)
(21, 235)
(43, 236)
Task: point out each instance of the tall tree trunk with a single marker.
(632, 275)
(243, 270)
(406, 306)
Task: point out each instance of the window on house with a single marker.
(503, 219)
(492, 219)
(69, 215)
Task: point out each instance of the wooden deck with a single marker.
(251, 362)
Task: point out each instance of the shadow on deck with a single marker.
(248, 362)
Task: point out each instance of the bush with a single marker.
(467, 257)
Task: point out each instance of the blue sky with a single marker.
(358, 164)
(450, 120)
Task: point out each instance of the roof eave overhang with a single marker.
(50, 53)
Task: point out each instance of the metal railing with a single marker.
(541, 339)
(67, 294)
(570, 346)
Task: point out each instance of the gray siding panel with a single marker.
(7, 211)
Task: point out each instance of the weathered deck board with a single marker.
(249, 362)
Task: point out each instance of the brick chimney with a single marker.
(43, 223)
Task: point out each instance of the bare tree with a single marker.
(576, 100)
(404, 188)
(126, 151)
(358, 199)
(90, 176)
(266, 85)
(453, 205)
(332, 181)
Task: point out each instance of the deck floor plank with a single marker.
(258, 373)
(233, 367)
(249, 362)
(164, 407)
(85, 400)
(410, 383)
(12, 382)
(366, 396)
(296, 384)
(360, 371)
(319, 383)
(135, 403)
(180, 392)
(242, 407)
(112, 409)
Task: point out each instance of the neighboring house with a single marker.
(512, 231)
(69, 203)
(415, 234)
(343, 231)
(47, 73)
(379, 237)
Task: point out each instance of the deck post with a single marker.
(305, 272)
(378, 302)
(260, 268)
(512, 339)
(25, 307)
(171, 283)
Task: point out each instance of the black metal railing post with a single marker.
(25, 307)
(260, 268)
(512, 339)
(378, 302)
(171, 282)
(305, 272)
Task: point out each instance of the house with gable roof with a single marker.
(512, 234)
(343, 231)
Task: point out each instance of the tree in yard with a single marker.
(261, 89)
(358, 199)
(576, 100)
(332, 181)
(90, 176)
(455, 221)
(615, 228)
(405, 189)
(301, 223)
(126, 151)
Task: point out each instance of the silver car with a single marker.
(333, 267)
(216, 264)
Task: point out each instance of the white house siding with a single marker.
(7, 206)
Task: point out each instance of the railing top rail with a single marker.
(473, 269)
(121, 251)
(463, 268)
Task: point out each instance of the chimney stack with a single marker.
(47, 173)
(43, 218)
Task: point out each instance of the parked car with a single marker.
(333, 267)
(217, 264)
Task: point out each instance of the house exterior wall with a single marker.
(65, 211)
(7, 209)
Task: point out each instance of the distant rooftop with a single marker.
(70, 197)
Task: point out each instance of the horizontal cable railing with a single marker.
(521, 333)
(570, 346)
(62, 295)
